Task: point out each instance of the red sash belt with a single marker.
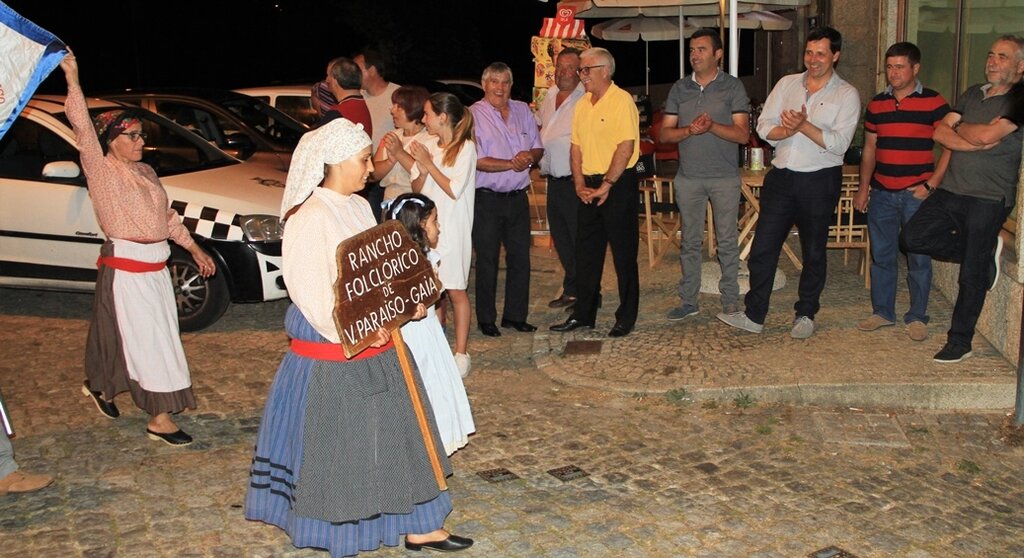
(333, 351)
(132, 266)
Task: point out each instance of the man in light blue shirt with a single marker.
(508, 146)
(555, 119)
(810, 119)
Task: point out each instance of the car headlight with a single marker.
(261, 228)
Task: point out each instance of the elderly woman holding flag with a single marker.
(345, 459)
(133, 343)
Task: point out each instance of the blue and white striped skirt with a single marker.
(276, 492)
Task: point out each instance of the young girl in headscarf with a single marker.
(426, 339)
(341, 461)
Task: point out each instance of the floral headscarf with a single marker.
(329, 144)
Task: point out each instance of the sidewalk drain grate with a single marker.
(831, 552)
(500, 474)
(583, 347)
(568, 473)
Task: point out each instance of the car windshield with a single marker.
(171, 149)
(272, 124)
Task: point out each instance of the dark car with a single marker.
(243, 126)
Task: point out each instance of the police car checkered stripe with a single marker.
(208, 221)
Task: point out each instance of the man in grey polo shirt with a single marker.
(716, 109)
(961, 220)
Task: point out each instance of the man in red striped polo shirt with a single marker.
(897, 171)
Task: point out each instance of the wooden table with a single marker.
(750, 187)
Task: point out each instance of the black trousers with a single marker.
(563, 208)
(501, 220)
(808, 200)
(960, 229)
(614, 223)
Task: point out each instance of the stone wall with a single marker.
(868, 28)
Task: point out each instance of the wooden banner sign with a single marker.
(382, 275)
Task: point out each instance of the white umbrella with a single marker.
(680, 8)
(642, 28)
(768, 21)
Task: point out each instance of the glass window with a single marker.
(28, 146)
(208, 125)
(933, 25)
(297, 107)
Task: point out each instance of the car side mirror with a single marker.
(61, 169)
(240, 145)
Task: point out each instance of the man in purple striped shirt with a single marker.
(508, 145)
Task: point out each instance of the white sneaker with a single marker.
(462, 362)
(995, 257)
(740, 320)
(803, 327)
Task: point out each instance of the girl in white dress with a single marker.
(445, 172)
(426, 339)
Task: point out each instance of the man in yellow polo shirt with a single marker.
(605, 147)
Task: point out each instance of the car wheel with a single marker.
(201, 301)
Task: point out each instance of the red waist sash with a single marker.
(333, 351)
(131, 266)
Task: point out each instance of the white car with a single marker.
(50, 239)
(292, 100)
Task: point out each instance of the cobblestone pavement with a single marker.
(663, 471)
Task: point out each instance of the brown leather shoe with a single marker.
(19, 482)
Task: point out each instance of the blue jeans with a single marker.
(888, 212)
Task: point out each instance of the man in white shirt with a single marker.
(555, 119)
(377, 92)
(810, 119)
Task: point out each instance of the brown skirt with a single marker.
(105, 365)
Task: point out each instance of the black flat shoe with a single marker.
(178, 438)
(571, 324)
(562, 301)
(619, 330)
(453, 543)
(518, 326)
(490, 330)
(106, 408)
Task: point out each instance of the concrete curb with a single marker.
(947, 396)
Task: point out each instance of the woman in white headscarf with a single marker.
(340, 460)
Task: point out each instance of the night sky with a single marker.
(240, 43)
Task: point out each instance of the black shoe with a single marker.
(619, 330)
(571, 324)
(952, 353)
(490, 330)
(453, 543)
(107, 408)
(178, 438)
(562, 301)
(522, 327)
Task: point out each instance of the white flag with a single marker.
(28, 53)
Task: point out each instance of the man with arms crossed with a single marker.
(960, 221)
